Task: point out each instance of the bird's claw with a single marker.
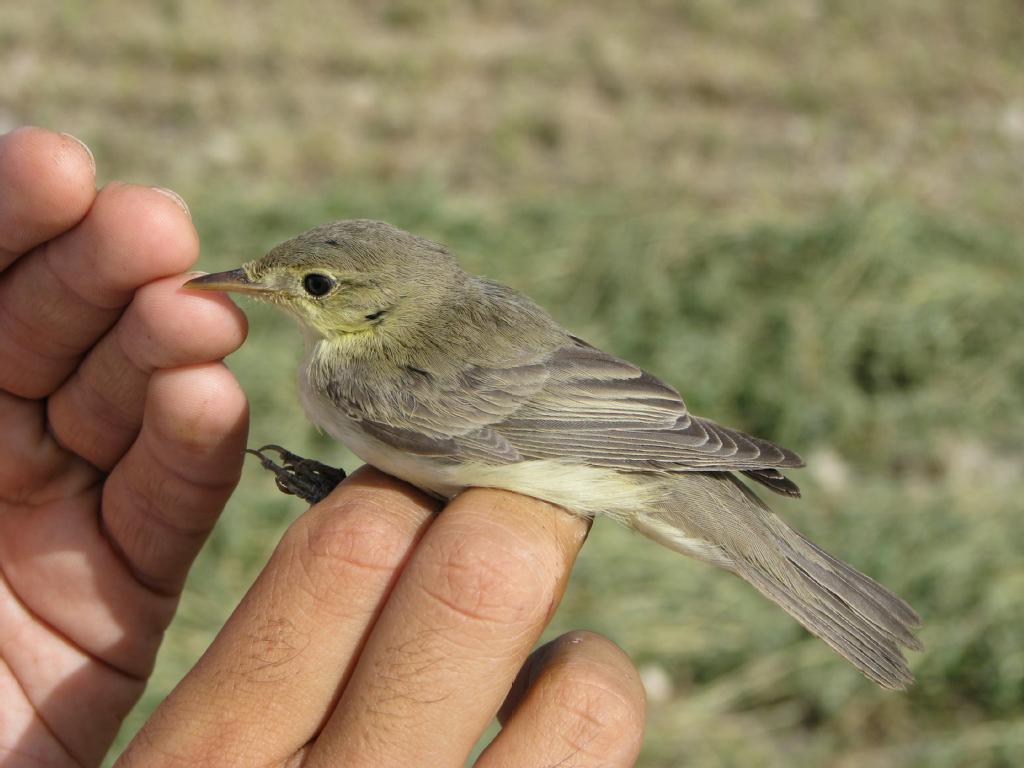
(310, 480)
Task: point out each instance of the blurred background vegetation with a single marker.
(806, 214)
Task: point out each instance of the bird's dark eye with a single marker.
(317, 284)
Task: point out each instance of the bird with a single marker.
(448, 380)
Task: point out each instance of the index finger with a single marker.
(267, 683)
(47, 184)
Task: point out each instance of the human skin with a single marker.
(383, 630)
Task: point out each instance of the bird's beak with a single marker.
(234, 281)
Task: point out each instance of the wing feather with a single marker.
(578, 402)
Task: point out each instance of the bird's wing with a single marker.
(608, 412)
(578, 402)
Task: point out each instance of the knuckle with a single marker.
(485, 580)
(153, 336)
(155, 746)
(196, 411)
(593, 718)
(146, 306)
(347, 539)
(274, 645)
(143, 324)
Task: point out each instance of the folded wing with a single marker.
(579, 403)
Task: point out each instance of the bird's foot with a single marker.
(310, 480)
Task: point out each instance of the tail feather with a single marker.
(874, 651)
(718, 519)
(868, 586)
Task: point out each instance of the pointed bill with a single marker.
(233, 281)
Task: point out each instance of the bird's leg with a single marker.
(310, 480)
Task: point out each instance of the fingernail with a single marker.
(176, 198)
(83, 145)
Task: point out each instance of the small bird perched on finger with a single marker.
(447, 381)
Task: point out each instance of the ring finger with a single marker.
(578, 701)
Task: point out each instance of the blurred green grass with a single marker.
(805, 215)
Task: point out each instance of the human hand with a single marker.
(368, 638)
(121, 437)
(383, 634)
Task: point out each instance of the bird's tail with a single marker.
(716, 518)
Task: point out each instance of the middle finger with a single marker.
(463, 617)
(97, 412)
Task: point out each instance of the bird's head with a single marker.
(348, 277)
